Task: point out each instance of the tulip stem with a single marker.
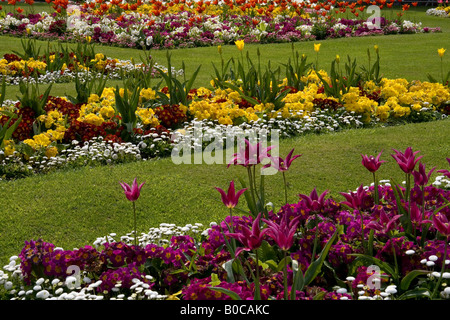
(135, 228)
(375, 182)
(443, 268)
(286, 295)
(257, 287)
(313, 257)
(285, 189)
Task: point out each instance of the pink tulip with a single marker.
(406, 160)
(251, 154)
(445, 172)
(372, 163)
(250, 238)
(442, 224)
(132, 193)
(231, 198)
(385, 224)
(314, 202)
(282, 233)
(282, 164)
(354, 199)
(421, 177)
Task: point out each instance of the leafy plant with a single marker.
(31, 97)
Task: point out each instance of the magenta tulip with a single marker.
(372, 163)
(132, 193)
(282, 233)
(445, 172)
(250, 154)
(421, 177)
(314, 202)
(250, 238)
(231, 198)
(281, 164)
(354, 200)
(442, 224)
(384, 225)
(406, 160)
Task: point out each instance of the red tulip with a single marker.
(385, 224)
(231, 198)
(132, 193)
(354, 199)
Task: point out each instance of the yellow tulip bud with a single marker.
(240, 44)
(317, 47)
(441, 52)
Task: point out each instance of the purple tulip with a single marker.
(314, 202)
(282, 164)
(250, 238)
(132, 193)
(354, 199)
(445, 172)
(406, 160)
(231, 198)
(442, 224)
(372, 163)
(282, 233)
(384, 225)
(421, 177)
(251, 154)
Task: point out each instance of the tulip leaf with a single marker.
(314, 268)
(383, 265)
(406, 281)
(228, 266)
(298, 281)
(233, 295)
(415, 293)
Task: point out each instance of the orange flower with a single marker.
(415, 4)
(19, 10)
(12, 2)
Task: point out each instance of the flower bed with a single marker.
(439, 11)
(179, 24)
(65, 65)
(108, 127)
(386, 241)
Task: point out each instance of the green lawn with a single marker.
(73, 208)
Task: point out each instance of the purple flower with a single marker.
(132, 193)
(445, 172)
(251, 154)
(250, 238)
(231, 198)
(282, 164)
(372, 163)
(314, 202)
(354, 200)
(406, 160)
(282, 233)
(421, 177)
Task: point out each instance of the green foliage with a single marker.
(178, 92)
(31, 97)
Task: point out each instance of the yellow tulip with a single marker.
(240, 44)
(376, 48)
(441, 52)
(317, 47)
(219, 48)
(338, 59)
